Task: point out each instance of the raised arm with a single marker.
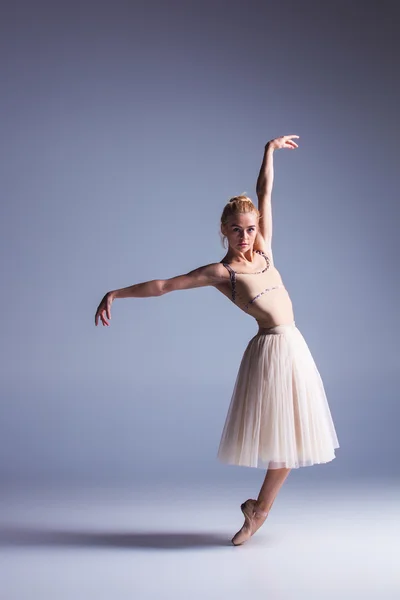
(211, 274)
(265, 182)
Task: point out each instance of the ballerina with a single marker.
(278, 417)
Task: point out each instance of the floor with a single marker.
(173, 541)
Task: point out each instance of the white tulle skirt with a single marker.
(279, 414)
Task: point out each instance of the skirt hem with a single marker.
(266, 464)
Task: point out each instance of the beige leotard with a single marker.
(255, 293)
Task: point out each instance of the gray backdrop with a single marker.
(126, 126)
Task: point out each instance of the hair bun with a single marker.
(237, 205)
(241, 198)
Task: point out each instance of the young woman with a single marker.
(279, 416)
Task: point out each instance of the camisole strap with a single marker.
(265, 256)
(232, 275)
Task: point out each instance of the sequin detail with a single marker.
(233, 273)
(255, 272)
(275, 287)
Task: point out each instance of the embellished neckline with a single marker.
(254, 272)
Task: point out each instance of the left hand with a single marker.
(285, 141)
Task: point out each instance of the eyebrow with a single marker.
(235, 225)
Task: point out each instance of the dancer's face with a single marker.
(241, 231)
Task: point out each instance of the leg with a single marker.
(273, 481)
(256, 511)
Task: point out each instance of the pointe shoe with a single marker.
(253, 519)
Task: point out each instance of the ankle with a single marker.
(261, 508)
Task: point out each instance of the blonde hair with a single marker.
(235, 206)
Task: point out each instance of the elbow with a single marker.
(261, 191)
(161, 287)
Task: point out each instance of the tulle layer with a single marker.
(279, 414)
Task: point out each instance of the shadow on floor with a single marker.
(29, 536)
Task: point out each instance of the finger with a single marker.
(291, 136)
(99, 314)
(108, 310)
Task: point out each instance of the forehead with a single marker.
(243, 219)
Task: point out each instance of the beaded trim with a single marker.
(256, 272)
(233, 274)
(275, 287)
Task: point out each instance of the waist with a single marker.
(277, 329)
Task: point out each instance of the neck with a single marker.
(246, 256)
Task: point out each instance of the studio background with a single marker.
(126, 126)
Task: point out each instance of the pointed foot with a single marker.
(253, 519)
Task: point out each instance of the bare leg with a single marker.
(273, 482)
(256, 511)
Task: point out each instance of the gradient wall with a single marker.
(126, 126)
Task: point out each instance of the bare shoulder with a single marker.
(212, 274)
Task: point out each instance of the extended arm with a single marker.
(265, 182)
(211, 274)
(264, 192)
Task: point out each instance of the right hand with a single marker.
(104, 309)
(285, 141)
